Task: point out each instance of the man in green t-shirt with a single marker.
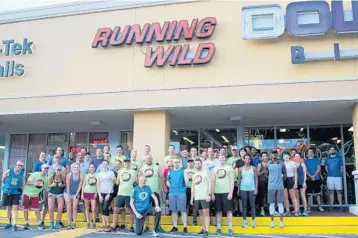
(223, 193)
(189, 173)
(126, 179)
(34, 185)
(118, 156)
(201, 195)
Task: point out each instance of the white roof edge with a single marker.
(76, 8)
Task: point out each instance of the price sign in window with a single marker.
(98, 140)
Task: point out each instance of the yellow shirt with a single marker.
(115, 158)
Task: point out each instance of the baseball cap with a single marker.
(190, 160)
(126, 159)
(233, 148)
(274, 151)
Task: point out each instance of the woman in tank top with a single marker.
(74, 182)
(290, 184)
(262, 170)
(248, 185)
(57, 184)
(301, 183)
(89, 195)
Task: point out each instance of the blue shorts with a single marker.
(51, 195)
(177, 202)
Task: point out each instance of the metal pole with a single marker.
(344, 167)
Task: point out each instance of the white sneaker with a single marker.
(253, 225)
(320, 209)
(244, 224)
(155, 234)
(272, 224)
(281, 224)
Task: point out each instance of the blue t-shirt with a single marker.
(97, 162)
(177, 182)
(37, 166)
(256, 160)
(13, 183)
(312, 165)
(63, 161)
(141, 197)
(334, 164)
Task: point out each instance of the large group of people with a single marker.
(209, 184)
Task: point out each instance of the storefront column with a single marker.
(152, 128)
(240, 136)
(354, 209)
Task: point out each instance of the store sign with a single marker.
(174, 55)
(304, 18)
(100, 141)
(12, 49)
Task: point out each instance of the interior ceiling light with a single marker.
(217, 130)
(350, 129)
(302, 129)
(334, 138)
(339, 141)
(225, 139)
(283, 130)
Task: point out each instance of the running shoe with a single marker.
(174, 229)
(52, 225)
(296, 214)
(40, 226)
(14, 227)
(69, 227)
(122, 227)
(73, 226)
(185, 231)
(160, 230)
(218, 232)
(57, 226)
(61, 224)
(262, 213)
(281, 224)
(88, 226)
(320, 208)
(244, 224)
(230, 233)
(94, 226)
(206, 234)
(201, 232)
(155, 234)
(304, 213)
(8, 227)
(131, 229)
(272, 224)
(287, 214)
(253, 225)
(27, 226)
(146, 229)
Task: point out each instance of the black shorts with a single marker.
(188, 196)
(123, 201)
(11, 199)
(222, 204)
(152, 200)
(201, 204)
(289, 183)
(313, 187)
(235, 192)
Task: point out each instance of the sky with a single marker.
(9, 5)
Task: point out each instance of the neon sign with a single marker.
(305, 18)
(170, 31)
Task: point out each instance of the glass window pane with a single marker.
(292, 137)
(350, 161)
(78, 140)
(2, 153)
(218, 138)
(321, 139)
(184, 139)
(261, 138)
(127, 142)
(57, 139)
(36, 146)
(18, 149)
(97, 140)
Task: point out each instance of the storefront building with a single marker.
(190, 73)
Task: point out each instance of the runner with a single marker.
(177, 183)
(211, 162)
(38, 164)
(74, 182)
(256, 159)
(57, 184)
(314, 182)
(238, 164)
(275, 188)
(189, 173)
(141, 206)
(248, 184)
(263, 180)
(98, 159)
(12, 190)
(127, 178)
(89, 195)
(118, 156)
(56, 165)
(134, 163)
(223, 193)
(171, 155)
(34, 185)
(153, 177)
(290, 184)
(164, 181)
(63, 160)
(200, 193)
(105, 182)
(301, 184)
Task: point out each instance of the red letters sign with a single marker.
(100, 141)
(169, 32)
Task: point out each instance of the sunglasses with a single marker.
(20, 165)
(46, 168)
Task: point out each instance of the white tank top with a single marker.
(290, 166)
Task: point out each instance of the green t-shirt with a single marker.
(32, 190)
(222, 179)
(151, 172)
(126, 180)
(90, 184)
(190, 173)
(143, 160)
(201, 185)
(232, 160)
(115, 158)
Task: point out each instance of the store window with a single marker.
(97, 140)
(37, 144)
(18, 149)
(2, 153)
(127, 142)
(321, 139)
(184, 139)
(78, 140)
(349, 157)
(218, 138)
(260, 138)
(292, 137)
(55, 140)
